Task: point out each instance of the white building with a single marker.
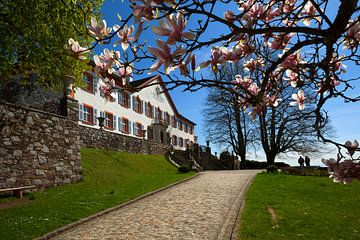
(143, 110)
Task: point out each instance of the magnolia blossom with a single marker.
(273, 100)
(292, 60)
(288, 6)
(280, 41)
(107, 60)
(125, 73)
(351, 147)
(99, 30)
(216, 58)
(243, 82)
(76, 49)
(164, 56)
(183, 66)
(342, 172)
(325, 85)
(144, 10)
(254, 64)
(298, 99)
(309, 11)
(336, 64)
(106, 87)
(229, 16)
(173, 27)
(125, 35)
(292, 77)
(352, 37)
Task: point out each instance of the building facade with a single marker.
(144, 109)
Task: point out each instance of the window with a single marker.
(180, 125)
(123, 99)
(186, 127)
(138, 129)
(124, 125)
(174, 122)
(181, 142)
(137, 104)
(167, 118)
(89, 82)
(191, 130)
(159, 114)
(88, 114)
(109, 120)
(174, 140)
(149, 110)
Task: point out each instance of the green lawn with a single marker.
(110, 178)
(305, 208)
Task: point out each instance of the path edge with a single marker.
(109, 210)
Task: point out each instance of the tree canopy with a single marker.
(34, 36)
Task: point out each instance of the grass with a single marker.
(302, 208)
(110, 178)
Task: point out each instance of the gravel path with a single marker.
(204, 207)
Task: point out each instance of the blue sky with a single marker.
(345, 117)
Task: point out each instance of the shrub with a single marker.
(184, 168)
(272, 169)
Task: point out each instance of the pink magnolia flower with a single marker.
(229, 16)
(183, 66)
(292, 60)
(253, 64)
(343, 172)
(125, 35)
(309, 11)
(244, 5)
(325, 85)
(243, 82)
(254, 89)
(336, 64)
(173, 27)
(280, 41)
(144, 10)
(125, 73)
(299, 99)
(351, 146)
(293, 77)
(288, 6)
(164, 56)
(106, 60)
(76, 49)
(106, 87)
(216, 58)
(273, 100)
(352, 37)
(99, 30)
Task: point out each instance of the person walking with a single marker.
(307, 161)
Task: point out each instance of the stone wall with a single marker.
(104, 139)
(38, 148)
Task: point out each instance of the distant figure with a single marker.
(307, 161)
(301, 161)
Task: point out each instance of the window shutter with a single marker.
(133, 103)
(119, 123)
(95, 117)
(95, 81)
(133, 125)
(142, 106)
(129, 126)
(81, 112)
(114, 122)
(119, 96)
(129, 102)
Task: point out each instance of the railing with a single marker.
(159, 121)
(33, 97)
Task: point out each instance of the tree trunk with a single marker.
(270, 158)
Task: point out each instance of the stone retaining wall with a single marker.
(104, 139)
(38, 148)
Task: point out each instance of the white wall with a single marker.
(148, 94)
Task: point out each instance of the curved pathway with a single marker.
(204, 207)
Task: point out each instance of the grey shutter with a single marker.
(134, 128)
(95, 117)
(129, 101)
(133, 103)
(114, 122)
(129, 126)
(119, 123)
(95, 81)
(119, 96)
(81, 112)
(142, 106)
